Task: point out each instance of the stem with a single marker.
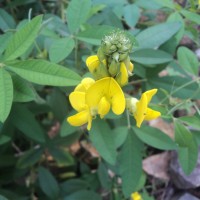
(76, 53)
(128, 119)
(138, 81)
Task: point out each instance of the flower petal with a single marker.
(84, 85)
(92, 63)
(152, 114)
(103, 107)
(149, 94)
(79, 119)
(77, 100)
(122, 77)
(109, 88)
(141, 110)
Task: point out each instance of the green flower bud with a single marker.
(123, 56)
(100, 54)
(115, 56)
(114, 68)
(101, 72)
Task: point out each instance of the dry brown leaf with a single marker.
(157, 165)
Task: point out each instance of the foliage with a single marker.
(44, 46)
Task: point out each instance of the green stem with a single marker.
(128, 119)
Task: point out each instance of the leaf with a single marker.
(23, 91)
(67, 129)
(151, 56)
(102, 140)
(155, 138)
(131, 14)
(48, 183)
(4, 39)
(4, 139)
(25, 121)
(45, 73)
(194, 17)
(73, 185)
(156, 35)
(188, 60)
(175, 85)
(166, 3)
(192, 121)
(188, 148)
(60, 49)
(94, 34)
(77, 13)
(6, 20)
(3, 198)
(119, 135)
(83, 195)
(130, 163)
(23, 39)
(6, 94)
(29, 158)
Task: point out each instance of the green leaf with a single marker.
(166, 3)
(3, 198)
(102, 139)
(29, 158)
(192, 121)
(45, 73)
(6, 20)
(176, 86)
(73, 185)
(67, 129)
(182, 135)
(151, 56)
(188, 148)
(83, 195)
(130, 163)
(62, 156)
(156, 35)
(131, 14)
(4, 139)
(103, 176)
(155, 138)
(48, 183)
(23, 39)
(4, 39)
(188, 157)
(60, 49)
(23, 91)
(25, 121)
(119, 135)
(194, 17)
(94, 34)
(6, 94)
(77, 13)
(188, 60)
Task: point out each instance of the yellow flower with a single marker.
(97, 68)
(140, 109)
(136, 196)
(105, 94)
(77, 100)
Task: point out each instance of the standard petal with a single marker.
(77, 100)
(79, 119)
(149, 94)
(152, 114)
(103, 107)
(92, 63)
(141, 110)
(84, 85)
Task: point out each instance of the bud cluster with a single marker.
(113, 58)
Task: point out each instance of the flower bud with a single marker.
(114, 68)
(123, 56)
(100, 54)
